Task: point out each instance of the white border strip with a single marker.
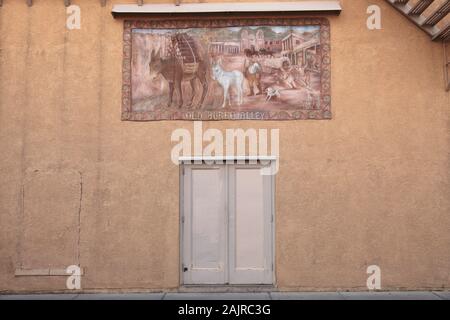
(43, 272)
(297, 6)
(227, 158)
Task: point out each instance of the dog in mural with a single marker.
(175, 71)
(227, 80)
(272, 93)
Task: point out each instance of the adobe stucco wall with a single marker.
(81, 186)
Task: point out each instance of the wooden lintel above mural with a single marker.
(66, 2)
(254, 8)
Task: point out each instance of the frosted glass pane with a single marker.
(249, 219)
(207, 217)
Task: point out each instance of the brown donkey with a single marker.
(173, 70)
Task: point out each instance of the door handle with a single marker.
(185, 269)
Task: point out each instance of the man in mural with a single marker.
(253, 73)
(287, 75)
(310, 67)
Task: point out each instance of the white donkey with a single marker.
(226, 80)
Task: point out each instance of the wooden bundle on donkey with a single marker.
(186, 51)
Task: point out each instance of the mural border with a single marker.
(324, 113)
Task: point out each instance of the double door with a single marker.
(227, 225)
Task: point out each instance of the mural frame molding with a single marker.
(324, 113)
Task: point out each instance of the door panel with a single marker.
(250, 233)
(205, 225)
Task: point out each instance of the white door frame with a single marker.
(189, 161)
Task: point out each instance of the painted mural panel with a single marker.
(262, 69)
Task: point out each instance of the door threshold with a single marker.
(227, 288)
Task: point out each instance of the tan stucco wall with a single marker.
(369, 187)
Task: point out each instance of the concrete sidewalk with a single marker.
(406, 295)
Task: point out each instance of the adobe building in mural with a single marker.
(151, 146)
